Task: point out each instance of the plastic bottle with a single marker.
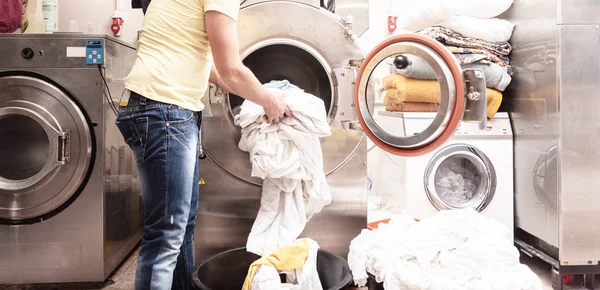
(35, 17)
(50, 10)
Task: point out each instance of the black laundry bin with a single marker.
(228, 270)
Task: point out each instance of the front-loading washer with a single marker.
(473, 169)
(69, 195)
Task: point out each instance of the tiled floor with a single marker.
(123, 278)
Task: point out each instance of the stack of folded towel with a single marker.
(480, 44)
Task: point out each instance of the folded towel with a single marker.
(412, 107)
(11, 15)
(301, 257)
(288, 157)
(399, 89)
(495, 76)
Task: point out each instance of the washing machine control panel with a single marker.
(94, 51)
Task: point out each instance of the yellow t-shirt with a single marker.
(173, 53)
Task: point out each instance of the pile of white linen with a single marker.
(288, 156)
(458, 249)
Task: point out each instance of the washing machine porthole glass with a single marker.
(423, 101)
(460, 176)
(24, 147)
(458, 181)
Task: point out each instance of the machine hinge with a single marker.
(63, 147)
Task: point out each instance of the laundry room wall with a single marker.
(94, 16)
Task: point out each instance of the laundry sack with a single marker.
(288, 157)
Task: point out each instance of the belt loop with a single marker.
(142, 101)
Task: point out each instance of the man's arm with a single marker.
(230, 72)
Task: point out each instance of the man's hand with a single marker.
(276, 109)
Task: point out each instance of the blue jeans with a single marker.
(164, 140)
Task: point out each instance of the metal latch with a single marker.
(476, 97)
(64, 148)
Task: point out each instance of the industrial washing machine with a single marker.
(69, 195)
(319, 50)
(554, 102)
(474, 169)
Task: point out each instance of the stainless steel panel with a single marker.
(532, 101)
(579, 11)
(358, 9)
(102, 225)
(579, 79)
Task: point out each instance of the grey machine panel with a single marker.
(90, 234)
(579, 78)
(304, 44)
(578, 11)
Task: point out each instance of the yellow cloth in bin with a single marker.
(399, 89)
(287, 258)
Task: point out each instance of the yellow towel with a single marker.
(287, 258)
(399, 89)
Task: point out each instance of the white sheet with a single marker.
(458, 249)
(288, 157)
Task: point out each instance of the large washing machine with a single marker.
(474, 169)
(318, 49)
(69, 195)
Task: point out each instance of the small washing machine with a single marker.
(474, 168)
(69, 195)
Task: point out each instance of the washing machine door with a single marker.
(545, 178)
(417, 75)
(460, 176)
(45, 151)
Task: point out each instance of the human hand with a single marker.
(275, 108)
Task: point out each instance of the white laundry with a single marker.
(457, 249)
(305, 278)
(288, 157)
(457, 181)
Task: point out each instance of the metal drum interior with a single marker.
(31, 143)
(460, 176)
(292, 61)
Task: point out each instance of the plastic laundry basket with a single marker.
(227, 271)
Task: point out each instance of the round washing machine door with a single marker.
(415, 75)
(460, 176)
(46, 148)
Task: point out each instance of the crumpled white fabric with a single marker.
(306, 278)
(458, 249)
(288, 157)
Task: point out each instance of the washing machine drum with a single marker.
(460, 176)
(46, 148)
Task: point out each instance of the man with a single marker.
(178, 44)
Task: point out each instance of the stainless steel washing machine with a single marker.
(69, 195)
(318, 50)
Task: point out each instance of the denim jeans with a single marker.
(164, 140)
